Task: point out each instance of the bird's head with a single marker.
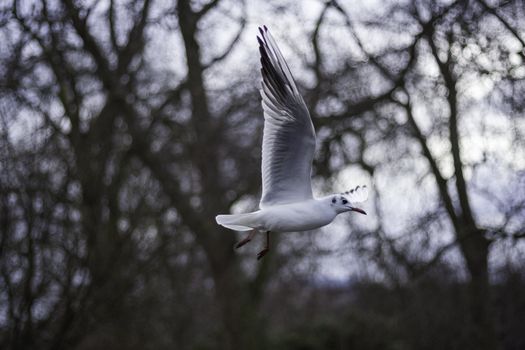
(346, 201)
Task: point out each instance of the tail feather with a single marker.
(237, 222)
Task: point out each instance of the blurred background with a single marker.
(127, 125)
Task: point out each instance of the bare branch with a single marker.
(135, 41)
(440, 180)
(206, 8)
(507, 25)
(454, 138)
(112, 28)
(229, 48)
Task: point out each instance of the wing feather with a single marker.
(289, 135)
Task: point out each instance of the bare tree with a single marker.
(115, 163)
(117, 128)
(427, 81)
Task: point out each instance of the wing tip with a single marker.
(263, 30)
(260, 41)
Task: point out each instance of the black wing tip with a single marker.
(263, 30)
(271, 77)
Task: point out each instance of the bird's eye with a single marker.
(333, 200)
(344, 201)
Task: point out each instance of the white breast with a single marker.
(293, 217)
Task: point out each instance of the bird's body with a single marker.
(288, 148)
(298, 216)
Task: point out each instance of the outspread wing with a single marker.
(289, 135)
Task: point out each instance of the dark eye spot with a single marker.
(345, 201)
(333, 200)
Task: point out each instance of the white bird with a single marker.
(287, 204)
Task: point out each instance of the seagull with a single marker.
(287, 203)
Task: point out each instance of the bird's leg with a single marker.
(266, 247)
(246, 239)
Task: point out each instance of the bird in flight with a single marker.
(287, 204)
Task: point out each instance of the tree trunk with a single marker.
(475, 249)
(243, 326)
(237, 305)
